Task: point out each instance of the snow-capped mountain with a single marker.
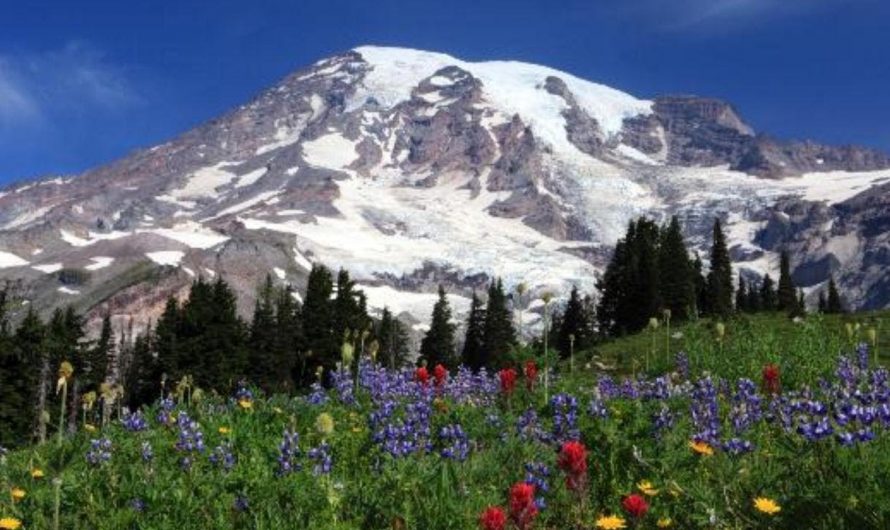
(412, 168)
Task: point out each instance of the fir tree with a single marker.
(834, 304)
(31, 369)
(96, 363)
(165, 341)
(676, 281)
(572, 323)
(499, 337)
(393, 340)
(719, 287)
(787, 293)
(474, 354)
(322, 347)
(268, 367)
(768, 300)
(822, 305)
(289, 342)
(741, 296)
(143, 375)
(700, 283)
(437, 346)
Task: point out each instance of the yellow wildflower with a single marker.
(646, 488)
(245, 404)
(37, 473)
(224, 430)
(664, 522)
(701, 448)
(17, 494)
(10, 523)
(89, 427)
(610, 522)
(767, 506)
(324, 424)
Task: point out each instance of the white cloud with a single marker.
(36, 87)
(715, 14)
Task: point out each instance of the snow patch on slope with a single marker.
(166, 257)
(8, 259)
(332, 151)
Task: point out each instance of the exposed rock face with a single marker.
(412, 169)
(709, 132)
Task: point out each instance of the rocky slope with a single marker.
(412, 168)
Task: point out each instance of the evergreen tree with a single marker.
(719, 285)
(676, 280)
(18, 379)
(768, 300)
(700, 283)
(753, 303)
(95, 367)
(165, 341)
(834, 304)
(322, 347)
(474, 354)
(30, 369)
(573, 323)
(630, 286)
(823, 304)
(393, 337)
(143, 375)
(787, 294)
(800, 307)
(499, 337)
(268, 367)
(289, 341)
(437, 346)
(741, 296)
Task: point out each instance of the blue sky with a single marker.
(82, 83)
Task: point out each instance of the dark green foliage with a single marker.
(630, 288)
(833, 304)
(21, 361)
(144, 373)
(211, 338)
(270, 361)
(437, 346)
(768, 300)
(787, 294)
(741, 297)
(95, 365)
(392, 340)
(700, 283)
(474, 354)
(576, 321)
(322, 346)
(499, 336)
(719, 285)
(165, 341)
(676, 273)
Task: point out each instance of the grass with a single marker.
(633, 431)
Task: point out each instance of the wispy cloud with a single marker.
(677, 15)
(37, 87)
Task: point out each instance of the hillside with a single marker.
(435, 450)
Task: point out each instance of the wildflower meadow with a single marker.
(527, 447)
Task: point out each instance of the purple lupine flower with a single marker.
(240, 504)
(190, 440)
(223, 456)
(321, 455)
(288, 452)
(100, 452)
(538, 474)
(681, 360)
(134, 422)
(565, 418)
(456, 442)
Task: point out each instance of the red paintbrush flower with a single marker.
(635, 505)
(422, 375)
(573, 461)
(531, 373)
(493, 518)
(441, 374)
(508, 380)
(523, 509)
(771, 378)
